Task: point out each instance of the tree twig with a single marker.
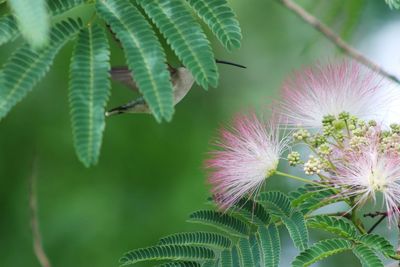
(383, 216)
(335, 39)
(34, 220)
(376, 213)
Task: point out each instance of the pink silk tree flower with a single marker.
(370, 171)
(346, 86)
(248, 153)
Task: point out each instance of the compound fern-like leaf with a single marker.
(8, 29)
(27, 66)
(395, 4)
(245, 252)
(337, 226)
(276, 203)
(180, 264)
(186, 38)
(255, 249)
(171, 252)
(270, 245)
(222, 221)
(89, 92)
(58, 7)
(367, 256)
(321, 250)
(225, 258)
(378, 243)
(143, 53)
(221, 20)
(311, 197)
(33, 21)
(252, 211)
(207, 239)
(296, 225)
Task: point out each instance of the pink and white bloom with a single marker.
(249, 153)
(368, 172)
(342, 87)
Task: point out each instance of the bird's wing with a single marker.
(135, 106)
(124, 76)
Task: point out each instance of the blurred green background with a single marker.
(150, 176)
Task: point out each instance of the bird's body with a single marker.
(181, 78)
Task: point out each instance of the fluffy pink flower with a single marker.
(329, 90)
(369, 171)
(249, 153)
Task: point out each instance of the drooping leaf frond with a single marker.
(170, 252)
(337, 226)
(58, 7)
(207, 239)
(143, 53)
(89, 92)
(27, 66)
(367, 256)
(186, 38)
(270, 245)
(8, 29)
(321, 250)
(221, 20)
(33, 21)
(296, 225)
(220, 220)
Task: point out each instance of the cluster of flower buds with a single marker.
(339, 114)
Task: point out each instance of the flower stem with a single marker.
(297, 178)
(354, 218)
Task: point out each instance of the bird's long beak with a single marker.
(230, 63)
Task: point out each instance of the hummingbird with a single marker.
(181, 78)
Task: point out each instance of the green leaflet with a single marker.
(225, 258)
(207, 239)
(270, 245)
(222, 221)
(394, 4)
(321, 250)
(245, 252)
(27, 66)
(298, 232)
(171, 252)
(186, 38)
(58, 7)
(8, 29)
(221, 20)
(8, 25)
(143, 53)
(33, 21)
(255, 250)
(89, 92)
(367, 256)
(338, 226)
